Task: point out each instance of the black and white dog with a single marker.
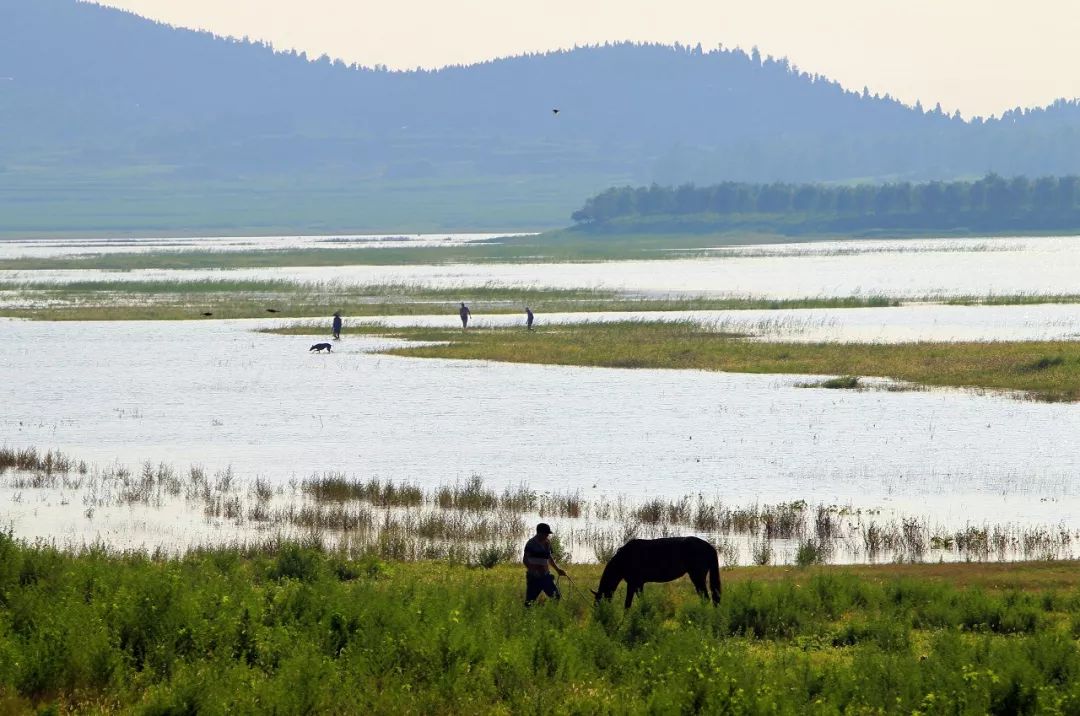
(320, 347)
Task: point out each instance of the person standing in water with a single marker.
(528, 318)
(337, 325)
(465, 314)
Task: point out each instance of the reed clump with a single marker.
(31, 460)
(339, 488)
(473, 495)
(844, 382)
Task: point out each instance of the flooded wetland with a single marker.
(886, 471)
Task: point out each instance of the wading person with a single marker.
(528, 318)
(337, 325)
(538, 564)
(465, 314)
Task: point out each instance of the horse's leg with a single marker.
(631, 590)
(714, 583)
(698, 578)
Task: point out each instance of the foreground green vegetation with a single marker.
(1044, 370)
(296, 629)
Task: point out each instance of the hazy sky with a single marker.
(979, 56)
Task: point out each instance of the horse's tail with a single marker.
(714, 577)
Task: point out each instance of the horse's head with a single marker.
(609, 580)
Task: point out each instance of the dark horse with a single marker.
(661, 560)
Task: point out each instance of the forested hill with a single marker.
(992, 204)
(101, 107)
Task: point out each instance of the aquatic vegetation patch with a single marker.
(340, 488)
(46, 463)
(843, 382)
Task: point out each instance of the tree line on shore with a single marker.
(990, 202)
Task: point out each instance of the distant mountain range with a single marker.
(110, 122)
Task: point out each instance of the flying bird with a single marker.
(271, 310)
(555, 111)
(208, 314)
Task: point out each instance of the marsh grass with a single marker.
(762, 553)
(654, 511)
(562, 504)
(30, 459)
(229, 298)
(234, 298)
(339, 488)
(811, 551)
(461, 522)
(1014, 299)
(224, 298)
(1038, 370)
(473, 495)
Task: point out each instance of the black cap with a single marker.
(543, 529)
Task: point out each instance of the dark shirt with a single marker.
(536, 556)
(337, 323)
(464, 312)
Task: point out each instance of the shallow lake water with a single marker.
(217, 395)
(54, 248)
(940, 267)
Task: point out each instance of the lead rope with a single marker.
(574, 589)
